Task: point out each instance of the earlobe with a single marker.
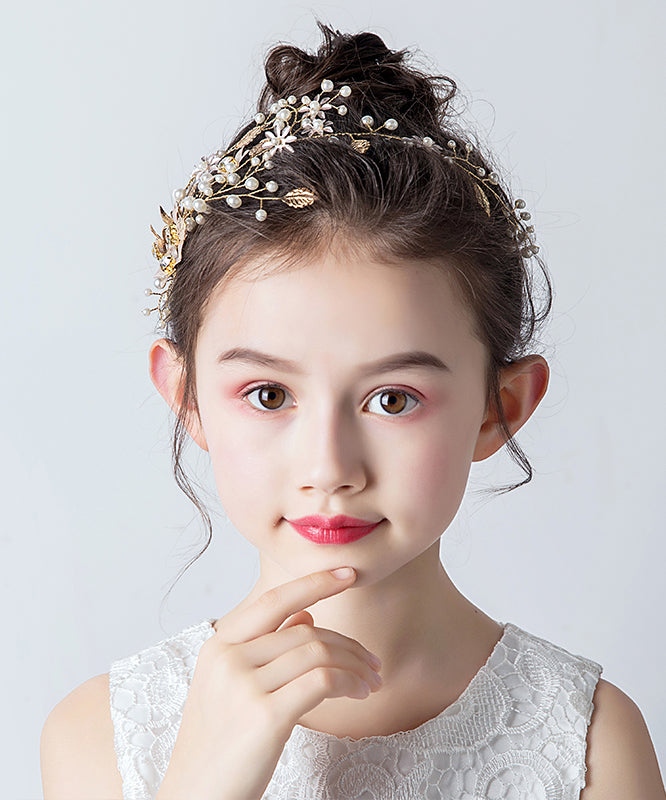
(522, 387)
(166, 373)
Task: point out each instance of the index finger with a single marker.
(273, 607)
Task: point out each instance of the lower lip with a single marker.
(333, 535)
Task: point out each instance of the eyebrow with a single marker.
(408, 360)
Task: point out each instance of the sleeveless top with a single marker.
(517, 732)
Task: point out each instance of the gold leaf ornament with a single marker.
(299, 198)
(482, 198)
(360, 145)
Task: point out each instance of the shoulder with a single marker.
(77, 753)
(621, 761)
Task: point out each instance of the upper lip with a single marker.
(339, 521)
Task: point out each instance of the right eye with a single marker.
(271, 396)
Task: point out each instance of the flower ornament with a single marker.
(278, 140)
(239, 172)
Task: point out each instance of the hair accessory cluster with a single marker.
(239, 173)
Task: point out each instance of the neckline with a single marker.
(304, 731)
(450, 710)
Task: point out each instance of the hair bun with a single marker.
(380, 77)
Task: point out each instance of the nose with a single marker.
(330, 447)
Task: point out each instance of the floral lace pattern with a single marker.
(517, 732)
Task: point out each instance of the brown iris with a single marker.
(393, 405)
(271, 396)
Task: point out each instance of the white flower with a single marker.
(316, 126)
(314, 110)
(278, 140)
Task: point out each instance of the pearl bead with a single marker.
(273, 108)
(147, 292)
(233, 178)
(259, 118)
(200, 219)
(281, 102)
(190, 224)
(519, 203)
(255, 161)
(285, 113)
(391, 124)
(367, 120)
(158, 283)
(260, 214)
(305, 100)
(272, 186)
(200, 205)
(292, 99)
(146, 312)
(342, 110)
(481, 172)
(268, 164)
(345, 90)
(493, 177)
(188, 203)
(427, 141)
(251, 183)
(220, 178)
(451, 144)
(326, 85)
(208, 191)
(234, 201)
(178, 195)
(525, 215)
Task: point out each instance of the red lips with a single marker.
(332, 530)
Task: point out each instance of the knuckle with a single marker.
(324, 679)
(270, 600)
(320, 651)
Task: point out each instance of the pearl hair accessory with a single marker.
(225, 174)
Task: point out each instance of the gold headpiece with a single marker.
(224, 174)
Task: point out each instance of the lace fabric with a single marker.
(517, 732)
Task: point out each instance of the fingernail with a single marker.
(342, 572)
(374, 660)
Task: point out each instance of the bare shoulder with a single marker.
(621, 761)
(78, 760)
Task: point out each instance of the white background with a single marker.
(106, 110)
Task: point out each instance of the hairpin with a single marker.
(238, 173)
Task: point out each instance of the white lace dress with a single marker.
(517, 732)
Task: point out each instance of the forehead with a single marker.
(353, 306)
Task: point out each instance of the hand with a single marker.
(251, 685)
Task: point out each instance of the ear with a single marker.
(166, 372)
(522, 387)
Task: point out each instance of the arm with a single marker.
(77, 754)
(620, 755)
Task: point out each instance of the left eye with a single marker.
(396, 403)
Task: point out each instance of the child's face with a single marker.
(333, 438)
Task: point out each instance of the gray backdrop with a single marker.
(107, 108)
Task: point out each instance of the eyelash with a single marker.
(384, 390)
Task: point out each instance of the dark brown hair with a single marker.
(394, 203)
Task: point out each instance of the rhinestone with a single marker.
(391, 124)
(291, 100)
(345, 90)
(234, 201)
(260, 214)
(259, 118)
(519, 203)
(367, 120)
(342, 110)
(271, 186)
(252, 184)
(326, 85)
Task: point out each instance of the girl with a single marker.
(350, 301)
